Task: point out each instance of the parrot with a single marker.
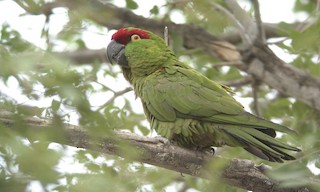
(186, 107)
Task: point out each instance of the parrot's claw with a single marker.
(212, 151)
(263, 168)
(209, 150)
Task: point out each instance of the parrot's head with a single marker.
(138, 51)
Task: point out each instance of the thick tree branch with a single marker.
(265, 66)
(240, 173)
(85, 56)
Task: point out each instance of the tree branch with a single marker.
(240, 173)
(229, 63)
(239, 82)
(85, 56)
(260, 36)
(242, 30)
(271, 30)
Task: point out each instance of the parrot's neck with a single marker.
(146, 66)
(138, 80)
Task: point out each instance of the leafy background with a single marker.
(37, 81)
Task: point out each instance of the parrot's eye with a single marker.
(135, 37)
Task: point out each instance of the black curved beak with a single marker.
(115, 53)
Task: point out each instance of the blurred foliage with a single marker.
(57, 89)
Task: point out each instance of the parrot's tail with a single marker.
(261, 144)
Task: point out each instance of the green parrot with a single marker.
(186, 107)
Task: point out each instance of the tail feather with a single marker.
(261, 144)
(248, 120)
(256, 151)
(268, 140)
(285, 156)
(268, 156)
(270, 132)
(262, 154)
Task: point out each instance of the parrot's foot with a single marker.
(202, 152)
(263, 168)
(210, 151)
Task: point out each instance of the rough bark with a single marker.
(155, 151)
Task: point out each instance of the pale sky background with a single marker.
(272, 11)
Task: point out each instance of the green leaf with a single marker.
(291, 172)
(308, 40)
(317, 163)
(306, 62)
(37, 162)
(154, 10)
(300, 109)
(29, 110)
(304, 6)
(130, 4)
(93, 167)
(55, 105)
(143, 129)
(278, 108)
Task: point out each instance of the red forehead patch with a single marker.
(123, 35)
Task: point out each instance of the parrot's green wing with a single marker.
(188, 94)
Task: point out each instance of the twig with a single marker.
(239, 82)
(255, 90)
(106, 87)
(166, 36)
(310, 21)
(115, 95)
(229, 63)
(46, 31)
(244, 36)
(261, 33)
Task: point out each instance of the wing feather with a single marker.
(167, 95)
